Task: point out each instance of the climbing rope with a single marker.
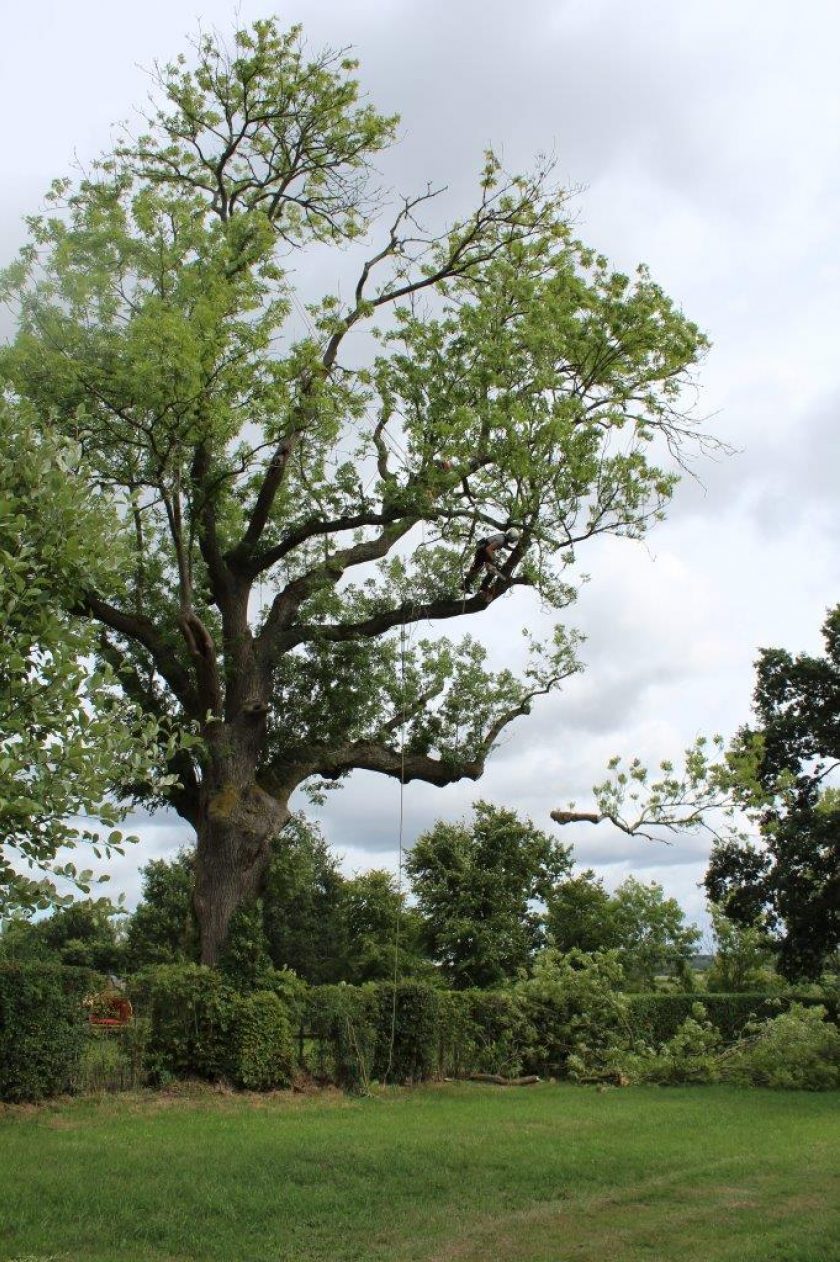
(398, 925)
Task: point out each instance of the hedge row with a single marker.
(656, 1018)
(194, 1024)
(200, 1027)
(43, 1028)
(354, 1034)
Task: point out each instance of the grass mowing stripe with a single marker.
(440, 1172)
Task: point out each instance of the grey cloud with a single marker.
(788, 472)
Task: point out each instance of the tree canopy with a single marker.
(647, 931)
(477, 885)
(70, 742)
(288, 502)
(790, 882)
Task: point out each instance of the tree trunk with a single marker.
(237, 824)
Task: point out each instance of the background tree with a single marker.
(647, 931)
(476, 885)
(651, 934)
(275, 486)
(69, 742)
(784, 765)
(579, 915)
(743, 958)
(162, 929)
(85, 934)
(298, 923)
(302, 906)
(309, 918)
(382, 932)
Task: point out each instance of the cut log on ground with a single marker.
(527, 1081)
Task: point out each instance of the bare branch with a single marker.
(265, 500)
(141, 629)
(217, 567)
(286, 604)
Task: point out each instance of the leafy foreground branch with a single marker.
(68, 735)
(286, 503)
(699, 797)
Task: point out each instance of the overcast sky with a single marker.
(704, 137)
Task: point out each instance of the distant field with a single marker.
(475, 1173)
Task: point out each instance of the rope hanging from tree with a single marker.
(398, 923)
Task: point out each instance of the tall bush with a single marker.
(43, 1028)
(191, 1010)
(342, 1023)
(260, 1046)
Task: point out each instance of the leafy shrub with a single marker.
(43, 1028)
(410, 1012)
(569, 1019)
(191, 1009)
(799, 1049)
(689, 1055)
(350, 1030)
(290, 989)
(260, 1047)
(732, 1013)
(575, 1004)
(342, 1022)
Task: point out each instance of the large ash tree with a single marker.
(292, 500)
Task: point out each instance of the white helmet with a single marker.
(512, 535)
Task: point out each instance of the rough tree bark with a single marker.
(236, 823)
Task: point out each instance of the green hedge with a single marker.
(114, 1059)
(193, 1023)
(200, 1027)
(656, 1018)
(43, 1028)
(359, 1033)
(260, 1046)
(341, 1024)
(191, 1011)
(483, 1031)
(408, 1017)
(456, 1033)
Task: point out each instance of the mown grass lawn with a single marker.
(462, 1171)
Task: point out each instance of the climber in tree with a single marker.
(485, 557)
